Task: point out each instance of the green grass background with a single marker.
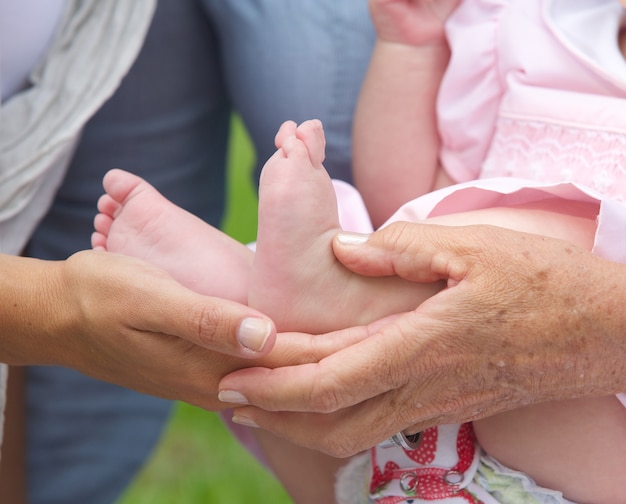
(198, 461)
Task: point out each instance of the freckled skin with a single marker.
(552, 441)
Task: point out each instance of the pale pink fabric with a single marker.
(536, 89)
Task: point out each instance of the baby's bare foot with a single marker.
(295, 277)
(136, 220)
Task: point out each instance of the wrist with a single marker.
(30, 311)
(433, 45)
(429, 56)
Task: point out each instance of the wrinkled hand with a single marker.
(411, 22)
(124, 321)
(524, 319)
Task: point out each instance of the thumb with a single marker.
(415, 252)
(217, 324)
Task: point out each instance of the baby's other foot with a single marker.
(136, 220)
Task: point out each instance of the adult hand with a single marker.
(122, 320)
(524, 319)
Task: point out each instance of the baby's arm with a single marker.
(396, 142)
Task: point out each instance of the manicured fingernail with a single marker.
(253, 333)
(352, 238)
(244, 420)
(232, 396)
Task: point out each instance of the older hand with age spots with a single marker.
(524, 319)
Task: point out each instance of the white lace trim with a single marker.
(549, 152)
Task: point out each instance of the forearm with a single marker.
(603, 342)
(588, 297)
(30, 310)
(395, 141)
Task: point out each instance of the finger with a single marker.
(416, 252)
(347, 377)
(167, 367)
(213, 323)
(301, 348)
(295, 348)
(415, 398)
(343, 433)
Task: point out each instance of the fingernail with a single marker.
(232, 396)
(253, 333)
(244, 420)
(352, 238)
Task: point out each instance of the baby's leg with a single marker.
(295, 277)
(574, 446)
(136, 220)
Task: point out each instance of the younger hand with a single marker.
(127, 322)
